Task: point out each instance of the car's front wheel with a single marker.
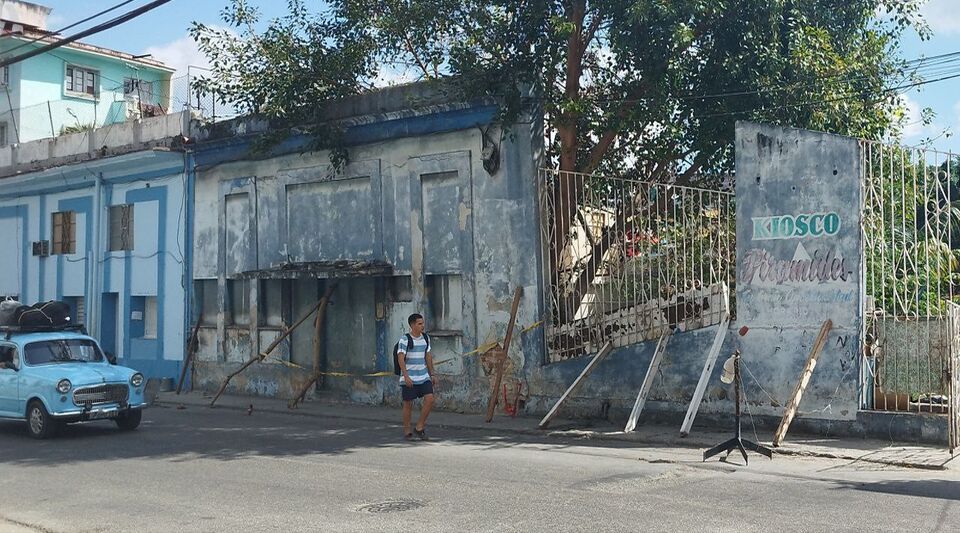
(39, 422)
(130, 420)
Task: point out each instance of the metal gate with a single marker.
(625, 258)
(911, 230)
(953, 421)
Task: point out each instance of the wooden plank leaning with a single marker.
(192, 345)
(502, 356)
(601, 355)
(794, 402)
(708, 365)
(263, 355)
(317, 335)
(648, 380)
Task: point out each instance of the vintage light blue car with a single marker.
(53, 378)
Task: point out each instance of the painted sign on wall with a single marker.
(795, 226)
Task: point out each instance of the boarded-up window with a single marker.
(121, 227)
(441, 222)
(207, 305)
(238, 302)
(64, 233)
(272, 299)
(446, 302)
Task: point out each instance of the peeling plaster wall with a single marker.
(790, 278)
(426, 205)
(459, 240)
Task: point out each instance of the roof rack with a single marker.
(8, 331)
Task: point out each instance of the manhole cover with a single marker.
(393, 506)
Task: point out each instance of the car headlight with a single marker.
(137, 379)
(63, 386)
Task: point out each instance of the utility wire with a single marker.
(126, 17)
(65, 28)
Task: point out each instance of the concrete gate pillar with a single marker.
(799, 244)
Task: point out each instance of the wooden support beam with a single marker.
(648, 380)
(273, 346)
(794, 403)
(601, 355)
(317, 334)
(192, 343)
(502, 356)
(705, 375)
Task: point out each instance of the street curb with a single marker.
(571, 433)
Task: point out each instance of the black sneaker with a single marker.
(421, 434)
(408, 436)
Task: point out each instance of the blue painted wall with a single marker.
(153, 182)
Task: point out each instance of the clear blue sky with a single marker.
(163, 33)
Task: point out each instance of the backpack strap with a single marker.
(409, 342)
(427, 338)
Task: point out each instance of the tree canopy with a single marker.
(645, 88)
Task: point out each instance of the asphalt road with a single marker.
(221, 470)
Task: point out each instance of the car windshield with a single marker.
(62, 351)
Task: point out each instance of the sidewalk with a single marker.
(871, 451)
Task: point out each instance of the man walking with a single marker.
(416, 379)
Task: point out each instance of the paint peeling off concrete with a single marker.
(464, 216)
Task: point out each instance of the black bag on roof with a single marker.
(46, 314)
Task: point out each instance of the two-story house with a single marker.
(72, 88)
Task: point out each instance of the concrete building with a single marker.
(434, 213)
(71, 88)
(99, 219)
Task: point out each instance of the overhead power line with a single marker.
(126, 17)
(65, 28)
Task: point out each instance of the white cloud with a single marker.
(179, 54)
(943, 16)
(912, 120)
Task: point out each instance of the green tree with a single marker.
(649, 89)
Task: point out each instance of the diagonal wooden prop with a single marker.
(273, 345)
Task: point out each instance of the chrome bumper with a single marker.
(97, 412)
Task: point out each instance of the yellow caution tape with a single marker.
(480, 349)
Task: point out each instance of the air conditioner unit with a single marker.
(41, 248)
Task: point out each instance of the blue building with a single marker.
(72, 88)
(101, 224)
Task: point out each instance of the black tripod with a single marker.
(737, 442)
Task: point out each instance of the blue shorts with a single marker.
(418, 390)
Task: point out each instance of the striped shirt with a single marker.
(415, 360)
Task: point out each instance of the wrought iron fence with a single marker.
(625, 259)
(911, 225)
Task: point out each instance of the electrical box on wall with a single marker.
(41, 248)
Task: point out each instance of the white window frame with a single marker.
(86, 70)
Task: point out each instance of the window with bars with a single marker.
(121, 227)
(3, 134)
(64, 236)
(81, 81)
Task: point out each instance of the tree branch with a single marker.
(409, 46)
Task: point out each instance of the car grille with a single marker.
(101, 394)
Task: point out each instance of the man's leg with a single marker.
(407, 410)
(425, 411)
